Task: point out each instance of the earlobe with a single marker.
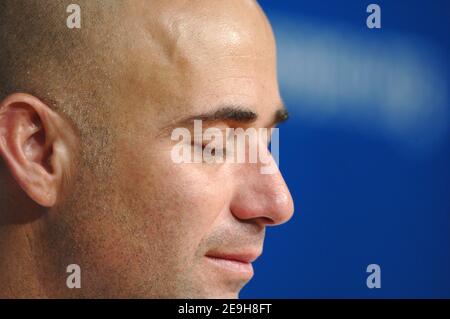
(28, 135)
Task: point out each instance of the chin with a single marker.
(223, 295)
(233, 295)
(213, 293)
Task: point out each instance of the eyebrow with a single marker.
(233, 113)
(227, 113)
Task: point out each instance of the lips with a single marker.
(244, 257)
(236, 264)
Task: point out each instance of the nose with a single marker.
(262, 197)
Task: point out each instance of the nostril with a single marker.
(267, 221)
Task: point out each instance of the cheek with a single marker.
(176, 203)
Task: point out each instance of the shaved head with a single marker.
(80, 71)
(74, 71)
(147, 45)
(89, 176)
(41, 55)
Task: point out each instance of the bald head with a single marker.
(69, 69)
(79, 70)
(136, 222)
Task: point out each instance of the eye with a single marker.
(218, 154)
(212, 149)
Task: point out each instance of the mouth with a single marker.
(237, 264)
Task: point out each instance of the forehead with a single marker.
(192, 55)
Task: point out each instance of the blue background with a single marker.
(365, 154)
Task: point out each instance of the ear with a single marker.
(37, 145)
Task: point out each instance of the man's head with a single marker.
(87, 176)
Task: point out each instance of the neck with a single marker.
(19, 275)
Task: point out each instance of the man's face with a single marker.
(157, 228)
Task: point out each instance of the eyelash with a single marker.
(203, 146)
(224, 149)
